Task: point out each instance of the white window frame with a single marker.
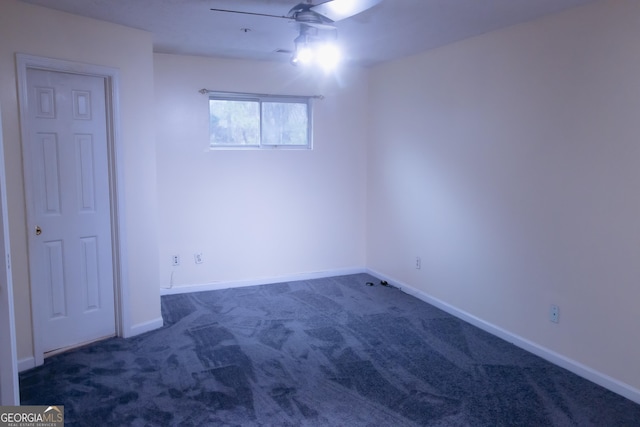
(260, 99)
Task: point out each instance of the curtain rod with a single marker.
(206, 91)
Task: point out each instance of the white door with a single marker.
(9, 394)
(70, 247)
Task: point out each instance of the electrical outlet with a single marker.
(175, 260)
(554, 313)
(418, 263)
(198, 258)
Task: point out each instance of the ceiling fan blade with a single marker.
(251, 13)
(336, 10)
(319, 25)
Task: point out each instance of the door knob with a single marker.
(38, 230)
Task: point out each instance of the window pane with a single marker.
(284, 123)
(234, 122)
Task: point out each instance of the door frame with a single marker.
(111, 77)
(9, 389)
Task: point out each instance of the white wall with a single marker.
(39, 31)
(510, 163)
(258, 215)
(9, 392)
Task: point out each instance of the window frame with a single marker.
(260, 99)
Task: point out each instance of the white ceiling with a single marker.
(391, 30)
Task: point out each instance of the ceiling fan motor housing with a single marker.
(311, 17)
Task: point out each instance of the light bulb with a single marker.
(304, 55)
(328, 56)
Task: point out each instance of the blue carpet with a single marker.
(315, 353)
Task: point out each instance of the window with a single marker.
(259, 121)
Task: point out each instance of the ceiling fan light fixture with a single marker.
(303, 53)
(312, 48)
(325, 55)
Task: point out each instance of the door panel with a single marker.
(71, 256)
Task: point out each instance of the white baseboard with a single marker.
(30, 362)
(214, 286)
(558, 359)
(141, 328)
(26, 363)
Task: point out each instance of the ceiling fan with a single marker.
(316, 26)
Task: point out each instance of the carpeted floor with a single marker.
(321, 352)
